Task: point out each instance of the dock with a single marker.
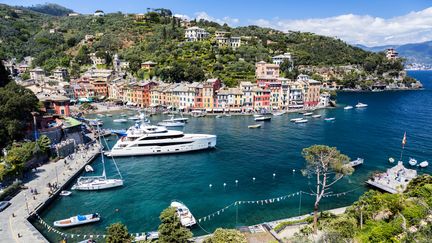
(15, 223)
(394, 180)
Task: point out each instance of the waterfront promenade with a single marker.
(14, 226)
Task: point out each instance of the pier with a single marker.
(15, 223)
(395, 180)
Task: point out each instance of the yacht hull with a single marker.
(199, 142)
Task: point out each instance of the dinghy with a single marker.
(65, 193)
(424, 164)
(254, 126)
(88, 168)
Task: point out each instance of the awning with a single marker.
(218, 109)
(208, 109)
(235, 109)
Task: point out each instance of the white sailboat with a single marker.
(92, 183)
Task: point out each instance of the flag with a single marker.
(404, 139)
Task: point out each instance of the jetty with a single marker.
(15, 223)
(394, 180)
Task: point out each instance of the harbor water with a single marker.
(271, 155)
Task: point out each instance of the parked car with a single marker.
(4, 205)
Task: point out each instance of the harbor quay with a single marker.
(15, 223)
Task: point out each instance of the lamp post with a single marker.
(34, 114)
(28, 210)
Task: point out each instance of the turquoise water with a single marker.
(152, 182)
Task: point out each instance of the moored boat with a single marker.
(121, 120)
(308, 114)
(279, 113)
(316, 116)
(263, 118)
(254, 126)
(77, 220)
(96, 122)
(183, 212)
(65, 193)
(329, 119)
(348, 107)
(301, 121)
(356, 162)
(412, 162)
(219, 116)
(296, 119)
(88, 168)
(424, 164)
(361, 105)
(134, 118)
(391, 160)
(171, 124)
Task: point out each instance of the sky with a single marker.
(367, 22)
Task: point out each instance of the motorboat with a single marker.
(77, 220)
(123, 115)
(96, 122)
(301, 121)
(109, 115)
(219, 116)
(134, 118)
(186, 217)
(146, 139)
(348, 107)
(178, 119)
(263, 118)
(391, 160)
(171, 124)
(296, 119)
(254, 126)
(412, 161)
(329, 119)
(257, 115)
(227, 115)
(121, 120)
(88, 168)
(93, 183)
(424, 164)
(316, 116)
(65, 193)
(356, 162)
(308, 114)
(361, 105)
(120, 132)
(280, 113)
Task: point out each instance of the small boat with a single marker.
(254, 126)
(219, 116)
(361, 105)
(123, 115)
(121, 120)
(88, 168)
(302, 121)
(329, 119)
(77, 220)
(348, 107)
(227, 115)
(134, 118)
(181, 119)
(308, 114)
(263, 118)
(296, 119)
(316, 116)
(109, 115)
(65, 193)
(391, 160)
(356, 162)
(96, 122)
(257, 115)
(171, 124)
(186, 217)
(412, 161)
(280, 113)
(424, 164)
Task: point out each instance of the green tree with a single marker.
(118, 233)
(170, 230)
(226, 236)
(44, 144)
(328, 165)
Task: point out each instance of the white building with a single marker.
(279, 59)
(99, 13)
(195, 34)
(60, 74)
(37, 74)
(247, 88)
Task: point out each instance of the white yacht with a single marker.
(186, 217)
(348, 107)
(172, 123)
(145, 139)
(361, 105)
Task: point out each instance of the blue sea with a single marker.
(271, 155)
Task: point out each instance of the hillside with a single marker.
(414, 53)
(159, 37)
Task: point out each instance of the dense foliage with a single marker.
(170, 229)
(226, 236)
(118, 233)
(159, 37)
(51, 9)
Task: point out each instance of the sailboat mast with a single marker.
(101, 151)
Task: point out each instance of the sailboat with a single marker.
(93, 183)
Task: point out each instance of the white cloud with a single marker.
(228, 20)
(363, 29)
(182, 16)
